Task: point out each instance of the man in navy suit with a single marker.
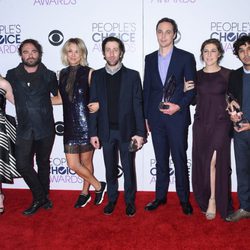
(169, 126)
(118, 120)
(239, 87)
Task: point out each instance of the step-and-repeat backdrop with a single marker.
(52, 22)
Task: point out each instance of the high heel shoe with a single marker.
(211, 215)
(1, 204)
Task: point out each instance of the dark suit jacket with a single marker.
(182, 65)
(131, 119)
(235, 84)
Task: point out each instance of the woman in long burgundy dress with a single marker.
(211, 170)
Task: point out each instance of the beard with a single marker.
(31, 62)
(113, 63)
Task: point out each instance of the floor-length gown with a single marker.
(212, 132)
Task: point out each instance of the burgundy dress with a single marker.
(211, 132)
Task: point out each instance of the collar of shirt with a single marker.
(246, 71)
(113, 70)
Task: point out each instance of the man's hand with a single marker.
(235, 116)
(139, 140)
(243, 127)
(173, 108)
(94, 140)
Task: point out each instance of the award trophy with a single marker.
(243, 119)
(168, 92)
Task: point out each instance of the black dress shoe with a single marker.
(154, 204)
(130, 210)
(187, 208)
(48, 204)
(35, 206)
(109, 208)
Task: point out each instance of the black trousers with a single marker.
(110, 154)
(242, 157)
(39, 181)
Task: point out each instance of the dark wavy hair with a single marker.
(36, 44)
(218, 45)
(169, 20)
(243, 40)
(113, 39)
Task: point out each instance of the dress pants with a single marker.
(242, 157)
(110, 154)
(171, 136)
(39, 181)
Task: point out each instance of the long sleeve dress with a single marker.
(211, 132)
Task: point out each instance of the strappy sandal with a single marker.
(210, 215)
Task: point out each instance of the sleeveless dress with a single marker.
(212, 132)
(7, 143)
(74, 90)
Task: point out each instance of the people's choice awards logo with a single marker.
(229, 32)
(10, 38)
(124, 31)
(171, 171)
(61, 173)
(56, 37)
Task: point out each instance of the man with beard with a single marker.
(239, 87)
(32, 84)
(118, 120)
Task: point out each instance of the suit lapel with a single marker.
(171, 65)
(103, 83)
(123, 88)
(156, 68)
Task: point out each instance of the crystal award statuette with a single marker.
(168, 92)
(243, 119)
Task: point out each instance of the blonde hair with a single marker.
(82, 49)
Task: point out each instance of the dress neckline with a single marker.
(212, 72)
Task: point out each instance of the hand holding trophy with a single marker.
(168, 92)
(237, 115)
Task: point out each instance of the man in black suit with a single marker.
(239, 87)
(169, 126)
(32, 84)
(118, 120)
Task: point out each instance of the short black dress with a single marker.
(74, 90)
(7, 143)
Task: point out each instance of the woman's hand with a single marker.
(188, 85)
(93, 107)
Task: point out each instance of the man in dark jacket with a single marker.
(239, 88)
(32, 84)
(119, 119)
